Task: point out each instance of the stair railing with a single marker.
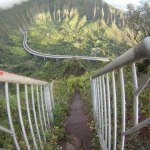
(105, 93)
(39, 107)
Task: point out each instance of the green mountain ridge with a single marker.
(57, 10)
(69, 27)
(80, 27)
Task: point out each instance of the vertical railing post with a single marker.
(98, 107)
(105, 107)
(102, 108)
(29, 116)
(109, 112)
(49, 101)
(46, 105)
(115, 110)
(52, 96)
(96, 94)
(39, 110)
(136, 98)
(43, 108)
(92, 91)
(9, 115)
(20, 116)
(94, 98)
(100, 114)
(123, 107)
(35, 116)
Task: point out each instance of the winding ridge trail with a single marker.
(76, 126)
(43, 55)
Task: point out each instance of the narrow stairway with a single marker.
(76, 126)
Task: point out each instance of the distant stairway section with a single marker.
(43, 55)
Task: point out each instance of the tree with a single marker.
(139, 20)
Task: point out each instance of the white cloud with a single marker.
(125, 2)
(121, 4)
(5, 4)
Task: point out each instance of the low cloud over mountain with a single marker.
(5, 4)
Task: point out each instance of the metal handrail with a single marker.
(101, 92)
(42, 96)
(13, 78)
(139, 52)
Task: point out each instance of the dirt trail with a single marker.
(76, 126)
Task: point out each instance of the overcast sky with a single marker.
(121, 4)
(4, 4)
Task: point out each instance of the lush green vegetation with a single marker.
(63, 91)
(77, 37)
(59, 27)
(62, 94)
(138, 20)
(65, 27)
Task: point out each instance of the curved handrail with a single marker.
(39, 54)
(139, 52)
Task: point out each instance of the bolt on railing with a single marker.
(105, 95)
(39, 107)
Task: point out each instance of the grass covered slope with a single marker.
(60, 27)
(77, 36)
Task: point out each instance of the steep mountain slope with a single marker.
(76, 27)
(76, 36)
(82, 27)
(57, 10)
